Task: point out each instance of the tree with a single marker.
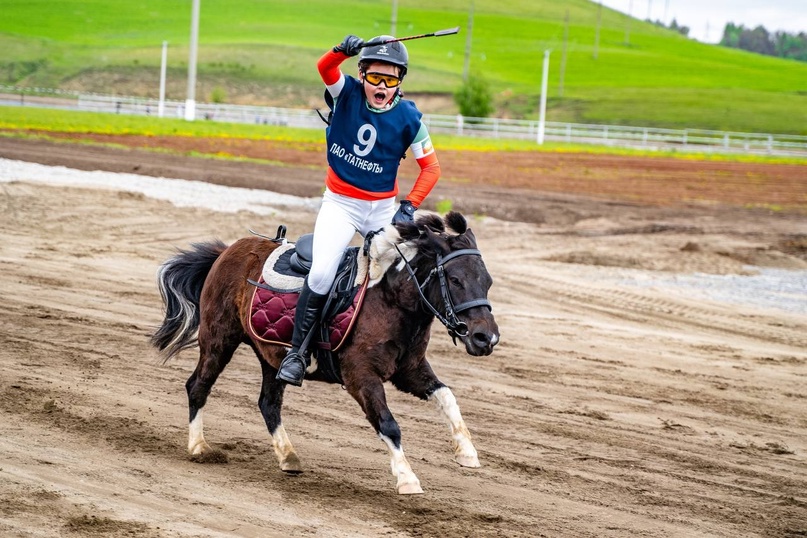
(759, 40)
(791, 45)
(683, 30)
(731, 35)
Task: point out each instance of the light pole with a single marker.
(393, 27)
(542, 113)
(597, 33)
(563, 56)
(190, 102)
(467, 67)
(164, 61)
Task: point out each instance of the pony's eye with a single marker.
(455, 281)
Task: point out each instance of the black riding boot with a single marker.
(306, 318)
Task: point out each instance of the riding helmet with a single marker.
(391, 53)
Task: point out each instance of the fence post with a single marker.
(644, 137)
(459, 124)
(568, 132)
(685, 137)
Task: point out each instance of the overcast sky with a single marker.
(707, 18)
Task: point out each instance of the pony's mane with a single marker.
(383, 252)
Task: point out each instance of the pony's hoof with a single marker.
(211, 456)
(410, 489)
(467, 461)
(199, 449)
(292, 465)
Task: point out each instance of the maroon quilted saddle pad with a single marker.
(272, 317)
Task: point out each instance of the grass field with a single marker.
(643, 75)
(23, 121)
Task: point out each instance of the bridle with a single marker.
(456, 328)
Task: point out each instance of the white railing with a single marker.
(699, 140)
(259, 115)
(622, 136)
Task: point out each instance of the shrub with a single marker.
(474, 98)
(444, 206)
(218, 95)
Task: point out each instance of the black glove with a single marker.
(405, 213)
(350, 46)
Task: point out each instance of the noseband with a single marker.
(456, 328)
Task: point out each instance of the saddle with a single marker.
(275, 297)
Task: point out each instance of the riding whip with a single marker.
(438, 33)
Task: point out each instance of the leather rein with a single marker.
(456, 328)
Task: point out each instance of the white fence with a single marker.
(622, 136)
(259, 115)
(696, 140)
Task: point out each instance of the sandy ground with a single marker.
(623, 400)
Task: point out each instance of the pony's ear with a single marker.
(467, 239)
(471, 237)
(456, 222)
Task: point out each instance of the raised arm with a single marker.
(328, 64)
(426, 158)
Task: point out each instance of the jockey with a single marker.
(370, 129)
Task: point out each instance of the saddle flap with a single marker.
(272, 316)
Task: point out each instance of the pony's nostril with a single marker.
(481, 339)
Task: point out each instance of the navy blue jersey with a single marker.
(365, 148)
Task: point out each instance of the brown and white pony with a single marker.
(431, 268)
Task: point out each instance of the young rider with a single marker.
(369, 132)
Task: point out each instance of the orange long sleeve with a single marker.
(427, 178)
(328, 66)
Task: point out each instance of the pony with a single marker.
(418, 271)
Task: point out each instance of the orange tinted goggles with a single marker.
(390, 81)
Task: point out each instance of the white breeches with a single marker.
(339, 218)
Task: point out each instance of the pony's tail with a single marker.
(180, 280)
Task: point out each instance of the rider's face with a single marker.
(379, 95)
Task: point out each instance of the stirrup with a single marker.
(292, 369)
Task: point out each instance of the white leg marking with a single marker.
(196, 436)
(464, 451)
(408, 483)
(286, 455)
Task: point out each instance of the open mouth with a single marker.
(380, 98)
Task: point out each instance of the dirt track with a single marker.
(609, 409)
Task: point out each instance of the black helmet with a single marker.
(391, 53)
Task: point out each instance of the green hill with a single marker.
(264, 52)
